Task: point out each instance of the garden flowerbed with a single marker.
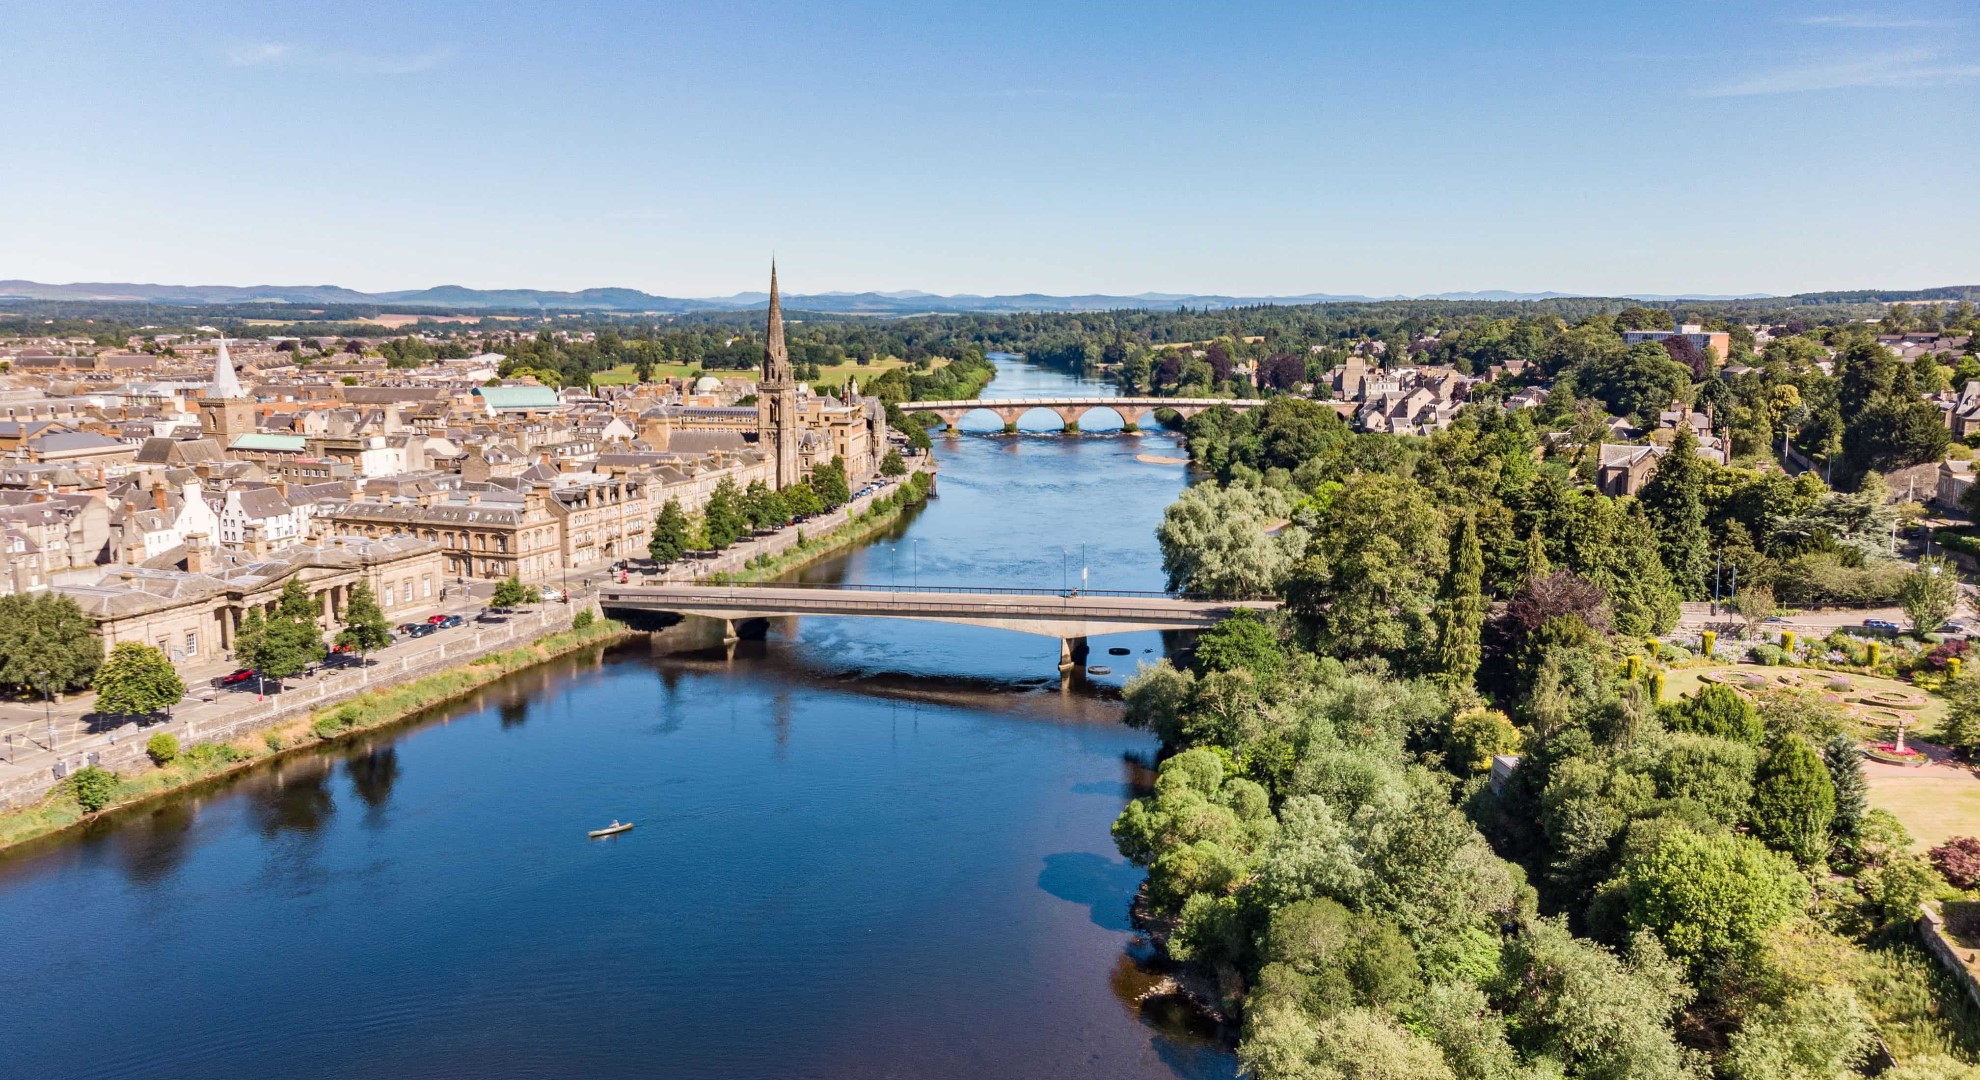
(1748, 680)
(1895, 699)
(1888, 754)
(1883, 717)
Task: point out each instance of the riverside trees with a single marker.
(137, 680)
(1639, 897)
(283, 644)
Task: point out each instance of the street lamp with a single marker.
(48, 708)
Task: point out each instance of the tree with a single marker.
(1709, 897)
(1242, 641)
(829, 480)
(1535, 563)
(94, 788)
(1460, 609)
(1718, 711)
(1794, 800)
(364, 626)
(1929, 594)
(1214, 542)
(285, 643)
(893, 464)
(802, 500)
(1369, 575)
(1845, 763)
(670, 533)
(1478, 735)
(1674, 501)
(137, 680)
(723, 516)
(47, 644)
(511, 592)
(162, 748)
(1638, 381)
(1818, 1034)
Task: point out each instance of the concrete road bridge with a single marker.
(1070, 411)
(1072, 617)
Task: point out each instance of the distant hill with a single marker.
(902, 302)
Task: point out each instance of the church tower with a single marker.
(776, 396)
(225, 411)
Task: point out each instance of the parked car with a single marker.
(238, 677)
(436, 619)
(448, 622)
(409, 627)
(1882, 626)
(552, 595)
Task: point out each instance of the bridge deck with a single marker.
(1052, 615)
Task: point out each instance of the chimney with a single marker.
(196, 553)
(158, 497)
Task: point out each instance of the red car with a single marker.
(436, 619)
(238, 677)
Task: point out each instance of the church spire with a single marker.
(225, 384)
(776, 358)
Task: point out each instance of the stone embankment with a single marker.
(123, 750)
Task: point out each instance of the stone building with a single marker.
(193, 614)
(776, 397)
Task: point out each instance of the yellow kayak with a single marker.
(613, 829)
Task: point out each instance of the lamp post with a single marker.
(47, 708)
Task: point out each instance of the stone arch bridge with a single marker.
(1070, 411)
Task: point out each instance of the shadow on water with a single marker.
(372, 773)
(1094, 882)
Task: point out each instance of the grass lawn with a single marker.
(834, 376)
(1934, 803)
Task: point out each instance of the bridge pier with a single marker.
(1072, 653)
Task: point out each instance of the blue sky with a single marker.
(995, 147)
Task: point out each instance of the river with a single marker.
(864, 849)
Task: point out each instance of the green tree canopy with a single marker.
(46, 643)
(364, 625)
(1794, 800)
(670, 533)
(137, 680)
(723, 516)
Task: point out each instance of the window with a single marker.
(408, 591)
(387, 597)
(192, 643)
(426, 585)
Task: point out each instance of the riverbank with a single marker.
(370, 710)
(878, 517)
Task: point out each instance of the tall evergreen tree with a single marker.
(1845, 761)
(1794, 800)
(723, 516)
(670, 533)
(1537, 565)
(1674, 500)
(1460, 609)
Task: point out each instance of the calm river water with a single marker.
(865, 849)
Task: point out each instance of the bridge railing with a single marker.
(988, 590)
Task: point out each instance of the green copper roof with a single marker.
(519, 397)
(263, 441)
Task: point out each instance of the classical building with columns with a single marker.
(192, 615)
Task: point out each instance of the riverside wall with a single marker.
(123, 749)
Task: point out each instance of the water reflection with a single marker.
(374, 771)
(149, 846)
(296, 799)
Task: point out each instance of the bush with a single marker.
(1958, 859)
(1770, 655)
(163, 748)
(94, 788)
(582, 619)
(205, 755)
(333, 724)
(1719, 711)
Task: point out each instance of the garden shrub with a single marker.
(1769, 655)
(93, 788)
(163, 748)
(1958, 859)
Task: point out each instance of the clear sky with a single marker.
(995, 147)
